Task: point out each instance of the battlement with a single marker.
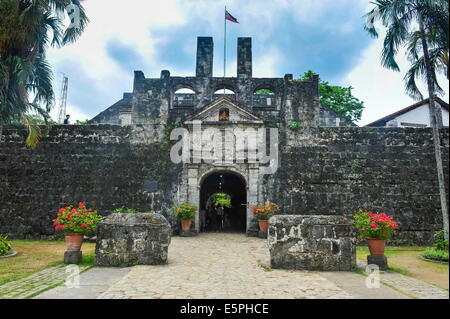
(171, 98)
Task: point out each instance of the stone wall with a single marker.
(335, 171)
(331, 171)
(102, 165)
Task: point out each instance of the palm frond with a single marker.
(418, 71)
(40, 82)
(34, 132)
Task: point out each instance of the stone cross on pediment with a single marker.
(224, 110)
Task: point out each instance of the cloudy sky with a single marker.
(289, 36)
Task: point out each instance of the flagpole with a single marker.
(225, 45)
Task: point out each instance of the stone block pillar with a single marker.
(205, 54)
(253, 192)
(244, 58)
(193, 194)
(312, 242)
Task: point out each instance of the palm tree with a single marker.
(427, 49)
(27, 28)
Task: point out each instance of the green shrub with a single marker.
(435, 254)
(293, 125)
(125, 210)
(440, 242)
(222, 200)
(5, 245)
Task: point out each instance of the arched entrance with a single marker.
(235, 217)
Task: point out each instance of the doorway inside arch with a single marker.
(234, 218)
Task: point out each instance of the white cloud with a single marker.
(129, 22)
(382, 90)
(136, 23)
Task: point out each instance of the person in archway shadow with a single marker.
(220, 213)
(202, 218)
(212, 219)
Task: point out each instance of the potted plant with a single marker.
(75, 223)
(185, 212)
(375, 228)
(5, 247)
(221, 200)
(263, 213)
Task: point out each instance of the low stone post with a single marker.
(73, 257)
(132, 239)
(312, 242)
(380, 261)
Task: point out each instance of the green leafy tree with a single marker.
(78, 122)
(27, 28)
(422, 27)
(338, 98)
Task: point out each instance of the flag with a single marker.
(229, 17)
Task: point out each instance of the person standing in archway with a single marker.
(202, 217)
(212, 219)
(220, 213)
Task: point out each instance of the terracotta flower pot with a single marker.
(74, 241)
(186, 224)
(376, 246)
(263, 225)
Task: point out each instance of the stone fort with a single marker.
(326, 165)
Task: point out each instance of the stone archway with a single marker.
(233, 184)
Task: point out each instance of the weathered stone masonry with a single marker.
(327, 166)
(330, 171)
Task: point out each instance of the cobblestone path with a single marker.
(216, 266)
(410, 286)
(36, 283)
(413, 287)
(220, 266)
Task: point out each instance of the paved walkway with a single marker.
(36, 283)
(410, 286)
(233, 266)
(92, 283)
(215, 266)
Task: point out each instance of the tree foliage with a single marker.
(338, 98)
(27, 28)
(408, 23)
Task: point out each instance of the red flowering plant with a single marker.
(264, 212)
(76, 220)
(374, 226)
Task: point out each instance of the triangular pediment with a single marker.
(237, 113)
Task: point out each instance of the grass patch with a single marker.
(402, 271)
(408, 261)
(435, 254)
(363, 252)
(36, 255)
(88, 260)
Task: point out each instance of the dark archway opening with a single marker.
(234, 218)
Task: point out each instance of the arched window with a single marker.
(224, 90)
(184, 97)
(224, 114)
(264, 97)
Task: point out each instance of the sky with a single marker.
(289, 36)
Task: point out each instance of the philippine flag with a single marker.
(229, 17)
